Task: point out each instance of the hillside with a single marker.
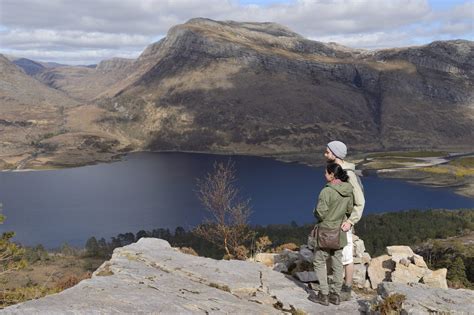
(39, 124)
(259, 88)
(28, 111)
(251, 87)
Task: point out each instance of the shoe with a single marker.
(320, 298)
(346, 293)
(334, 299)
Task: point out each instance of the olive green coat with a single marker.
(335, 202)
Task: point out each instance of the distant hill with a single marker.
(29, 66)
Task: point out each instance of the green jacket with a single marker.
(335, 202)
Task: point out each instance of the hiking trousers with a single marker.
(319, 263)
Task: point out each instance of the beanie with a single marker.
(338, 148)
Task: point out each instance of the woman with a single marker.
(335, 204)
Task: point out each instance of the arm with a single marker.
(321, 209)
(359, 200)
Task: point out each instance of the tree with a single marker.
(228, 226)
(457, 271)
(92, 247)
(11, 255)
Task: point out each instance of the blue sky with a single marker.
(84, 32)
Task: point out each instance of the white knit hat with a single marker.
(338, 148)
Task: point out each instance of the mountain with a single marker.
(29, 66)
(83, 83)
(28, 108)
(260, 88)
(39, 124)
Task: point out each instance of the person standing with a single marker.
(336, 152)
(334, 205)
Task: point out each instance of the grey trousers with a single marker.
(319, 263)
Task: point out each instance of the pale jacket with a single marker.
(359, 200)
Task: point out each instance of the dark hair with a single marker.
(338, 171)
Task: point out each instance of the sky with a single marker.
(88, 31)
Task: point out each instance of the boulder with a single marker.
(306, 276)
(407, 274)
(306, 254)
(280, 267)
(436, 279)
(419, 261)
(421, 299)
(405, 262)
(359, 247)
(379, 270)
(268, 259)
(287, 257)
(360, 275)
(364, 259)
(399, 252)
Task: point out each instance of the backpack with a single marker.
(358, 177)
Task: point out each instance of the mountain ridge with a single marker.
(260, 88)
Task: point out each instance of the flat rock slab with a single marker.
(421, 299)
(152, 277)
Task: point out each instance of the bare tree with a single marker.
(228, 226)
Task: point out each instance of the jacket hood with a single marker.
(344, 189)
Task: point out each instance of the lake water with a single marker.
(152, 190)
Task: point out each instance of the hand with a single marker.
(346, 226)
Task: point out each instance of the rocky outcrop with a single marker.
(402, 265)
(152, 277)
(420, 299)
(114, 64)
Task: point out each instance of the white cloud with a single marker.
(44, 37)
(114, 26)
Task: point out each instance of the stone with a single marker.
(399, 252)
(436, 279)
(268, 259)
(306, 276)
(366, 258)
(405, 262)
(152, 277)
(287, 257)
(367, 284)
(407, 274)
(421, 299)
(359, 247)
(360, 275)
(419, 261)
(306, 254)
(380, 269)
(280, 267)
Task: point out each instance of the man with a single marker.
(336, 152)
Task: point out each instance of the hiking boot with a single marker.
(346, 293)
(320, 298)
(334, 299)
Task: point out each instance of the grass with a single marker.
(51, 274)
(466, 162)
(412, 154)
